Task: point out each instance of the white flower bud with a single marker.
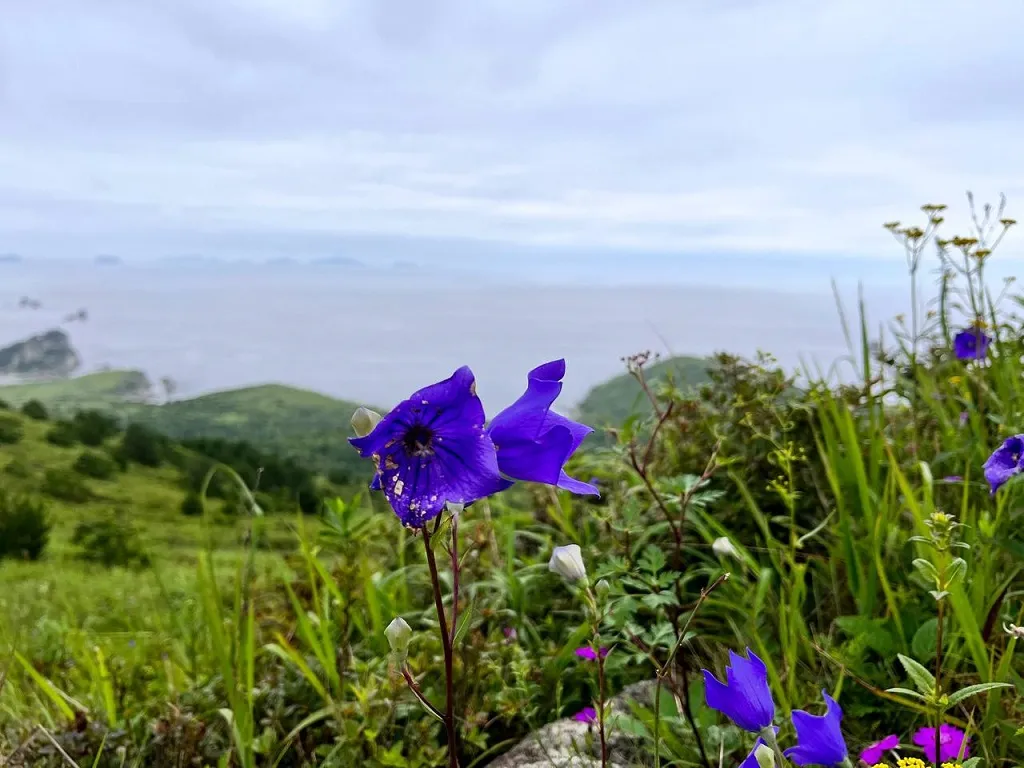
(602, 588)
(765, 756)
(567, 562)
(399, 633)
(724, 548)
(364, 420)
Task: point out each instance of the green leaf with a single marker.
(971, 690)
(925, 639)
(972, 763)
(919, 676)
(907, 692)
(927, 569)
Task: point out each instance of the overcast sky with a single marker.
(684, 126)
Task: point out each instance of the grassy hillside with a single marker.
(34, 462)
(94, 390)
(611, 403)
(307, 426)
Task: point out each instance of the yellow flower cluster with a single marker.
(910, 762)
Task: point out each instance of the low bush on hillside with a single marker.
(93, 427)
(24, 526)
(110, 541)
(35, 410)
(66, 485)
(62, 434)
(141, 445)
(11, 429)
(95, 464)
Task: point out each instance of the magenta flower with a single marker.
(510, 634)
(1006, 461)
(586, 715)
(951, 741)
(971, 344)
(589, 654)
(534, 442)
(872, 755)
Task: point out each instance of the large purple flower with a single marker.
(534, 442)
(819, 739)
(951, 741)
(1006, 461)
(432, 449)
(971, 344)
(744, 697)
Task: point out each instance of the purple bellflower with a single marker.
(534, 442)
(1006, 461)
(872, 754)
(971, 344)
(589, 653)
(951, 741)
(744, 697)
(819, 738)
(432, 449)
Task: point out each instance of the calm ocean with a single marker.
(374, 336)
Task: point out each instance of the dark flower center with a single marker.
(418, 441)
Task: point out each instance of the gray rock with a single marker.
(570, 744)
(48, 354)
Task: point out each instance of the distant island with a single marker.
(47, 355)
(107, 260)
(338, 261)
(10, 258)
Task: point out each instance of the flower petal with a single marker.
(819, 737)
(462, 469)
(534, 460)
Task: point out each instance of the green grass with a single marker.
(307, 426)
(101, 390)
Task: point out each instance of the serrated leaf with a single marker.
(972, 763)
(919, 676)
(971, 690)
(907, 692)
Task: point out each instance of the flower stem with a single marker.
(600, 699)
(938, 685)
(446, 646)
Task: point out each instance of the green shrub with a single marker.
(110, 541)
(18, 468)
(95, 464)
(11, 429)
(62, 433)
(4, 405)
(192, 505)
(94, 427)
(35, 410)
(143, 446)
(24, 526)
(66, 485)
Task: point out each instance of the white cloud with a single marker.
(750, 125)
